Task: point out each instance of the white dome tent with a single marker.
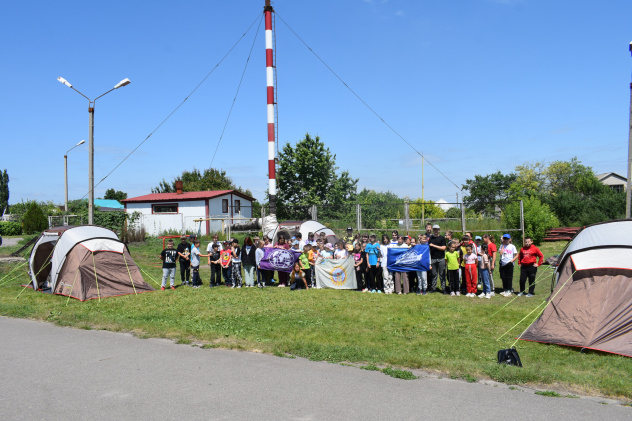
(84, 262)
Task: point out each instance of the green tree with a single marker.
(115, 195)
(572, 176)
(453, 212)
(530, 180)
(485, 192)
(380, 210)
(34, 220)
(538, 217)
(430, 210)
(307, 175)
(4, 190)
(209, 179)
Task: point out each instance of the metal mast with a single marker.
(270, 73)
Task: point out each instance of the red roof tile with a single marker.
(192, 195)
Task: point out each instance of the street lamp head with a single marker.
(124, 82)
(64, 81)
(81, 143)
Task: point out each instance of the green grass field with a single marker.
(453, 336)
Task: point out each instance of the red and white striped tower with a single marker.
(268, 10)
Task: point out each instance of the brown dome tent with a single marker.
(591, 304)
(84, 262)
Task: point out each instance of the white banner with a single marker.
(335, 273)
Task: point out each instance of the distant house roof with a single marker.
(186, 196)
(108, 203)
(603, 176)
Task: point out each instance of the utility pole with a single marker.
(628, 193)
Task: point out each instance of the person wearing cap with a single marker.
(327, 252)
(349, 237)
(508, 255)
(184, 253)
(437, 245)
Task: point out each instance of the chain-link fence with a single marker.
(408, 218)
(66, 220)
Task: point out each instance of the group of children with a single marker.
(468, 263)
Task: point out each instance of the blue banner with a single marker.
(409, 259)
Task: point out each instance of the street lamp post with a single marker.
(66, 172)
(124, 82)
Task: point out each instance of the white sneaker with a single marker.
(520, 294)
(529, 295)
(452, 294)
(481, 295)
(488, 296)
(492, 293)
(458, 293)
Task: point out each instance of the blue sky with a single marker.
(477, 85)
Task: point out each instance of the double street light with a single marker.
(124, 82)
(66, 172)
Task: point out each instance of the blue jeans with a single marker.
(168, 273)
(485, 276)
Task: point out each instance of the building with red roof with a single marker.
(182, 211)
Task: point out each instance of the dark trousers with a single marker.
(226, 273)
(266, 276)
(437, 271)
(372, 277)
(453, 277)
(216, 276)
(283, 278)
(185, 269)
(308, 276)
(195, 278)
(528, 271)
(360, 275)
(506, 274)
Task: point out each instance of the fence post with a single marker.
(522, 218)
(359, 216)
(406, 216)
(462, 218)
(315, 212)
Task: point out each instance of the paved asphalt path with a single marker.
(6, 242)
(54, 373)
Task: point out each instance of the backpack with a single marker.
(509, 356)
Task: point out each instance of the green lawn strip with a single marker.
(451, 335)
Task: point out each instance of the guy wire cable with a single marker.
(367, 105)
(179, 105)
(237, 93)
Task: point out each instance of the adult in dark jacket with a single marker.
(249, 262)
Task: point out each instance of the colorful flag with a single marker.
(279, 259)
(409, 259)
(335, 273)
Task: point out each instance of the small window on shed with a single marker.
(165, 208)
(237, 206)
(224, 205)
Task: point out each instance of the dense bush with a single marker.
(10, 228)
(538, 217)
(34, 220)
